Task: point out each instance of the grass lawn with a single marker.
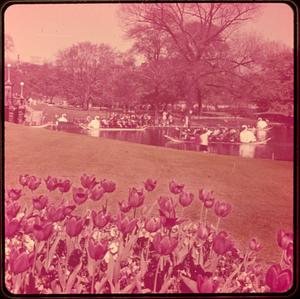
(260, 191)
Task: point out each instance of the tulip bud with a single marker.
(12, 210)
(21, 262)
(14, 194)
(74, 226)
(135, 198)
(108, 186)
(97, 193)
(152, 225)
(42, 233)
(124, 207)
(12, 227)
(150, 185)
(79, 195)
(283, 239)
(221, 243)
(33, 183)
(203, 232)
(185, 198)
(97, 252)
(23, 179)
(164, 245)
(175, 188)
(222, 209)
(51, 183)
(100, 219)
(88, 182)
(254, 245)
(64, 186)
(40, 202)
(125, 225)
(55, 214)
(277, 279)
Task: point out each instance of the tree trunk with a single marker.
(199, 100)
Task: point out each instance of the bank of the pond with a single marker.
(261, 191)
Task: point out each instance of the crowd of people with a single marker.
(113, 120)
(202, 136)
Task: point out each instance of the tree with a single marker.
(197, 34)
(84, 71)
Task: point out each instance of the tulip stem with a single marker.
(156, 275)
(134, 212)
(205, 215)
(93, 279)
(218, 224)
(201, 213)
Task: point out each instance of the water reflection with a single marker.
(280, 147)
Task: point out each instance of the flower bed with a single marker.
(50, 250)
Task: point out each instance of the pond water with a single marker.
(280, 147)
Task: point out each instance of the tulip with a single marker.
(205, 195)
(168, 220)
(67, 210)
(108, 186)
(209, 202)
(74, 226)
(97, 252)
(12, 227)
(283, 239)
(150, 185)
(205, 284)
(135, 198)
(277, 279)
(88, 182)
(23, 179)
(152, 225)
(254, 245)
(124, 206)
(40, 202)
(79, 195)
(203, 232)
(12, 210)
(28, 225)
(64, 186)
(222, 209)
(33, 183)
(175, 188)
(21, 262)
(100, 219)
(164, 245)
(166, 204)
(42, 232)
(97, 193)
(221, 243)
(14, 194)
(55, 214)
(289, 254)
(125, 225)
(51, 183)
(185, 198)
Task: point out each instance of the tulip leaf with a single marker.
(167, 283)
(17, 283)
(52, 252)
(90, 265)
(128, 289)
(110, 270)
(99, 285)
(191, 284)
(72, 279)
(61, 277)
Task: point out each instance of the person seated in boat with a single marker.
(261, 124)
(170, 119)
(63, 118)
(204, 139)
(94, 124)
(104, 123)
(214, 135)
(233, 135)
(246, 136)
(197, 133)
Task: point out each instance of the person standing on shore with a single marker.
(204, 140)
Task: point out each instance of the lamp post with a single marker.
(22, 85)
(8, 73)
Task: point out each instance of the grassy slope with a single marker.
(261, 191)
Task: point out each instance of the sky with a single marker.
(39, 31)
